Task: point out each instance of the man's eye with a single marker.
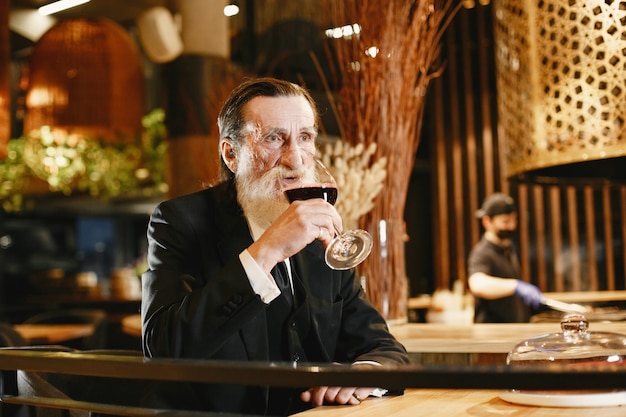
(273, 140)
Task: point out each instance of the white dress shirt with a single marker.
(263, 285)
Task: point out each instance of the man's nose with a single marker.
(292, 156)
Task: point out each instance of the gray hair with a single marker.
(230, 120)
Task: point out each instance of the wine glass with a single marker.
(347, 249)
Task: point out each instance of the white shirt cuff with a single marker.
(262, 284)
(376, 392)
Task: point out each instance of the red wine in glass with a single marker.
(347, 249)
(324, 191)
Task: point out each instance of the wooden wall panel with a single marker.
(574, 249)
(590, 228)
(554, 202)
(539, 238)
(622, 214)
(523, 204)
(607, 223)
(441, 205)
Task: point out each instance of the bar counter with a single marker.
(476, 343)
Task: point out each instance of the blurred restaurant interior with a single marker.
(537, 113)
(110, 107)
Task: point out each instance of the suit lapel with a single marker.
(233, 235)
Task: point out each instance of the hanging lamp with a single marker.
(86, 84)
(86, 77)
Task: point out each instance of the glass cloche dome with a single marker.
(576, 345)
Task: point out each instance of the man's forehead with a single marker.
(279, 111)
(268, 126)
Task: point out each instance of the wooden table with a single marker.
(131, 325)
(53, 333)
(453, 403)
(476, 343)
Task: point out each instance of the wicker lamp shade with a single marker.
(86, 77)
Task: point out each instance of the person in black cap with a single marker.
(494, 270)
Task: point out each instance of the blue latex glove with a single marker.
(530, 293)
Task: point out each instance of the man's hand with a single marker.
(530, 293)
(302, 223)
(317, 396)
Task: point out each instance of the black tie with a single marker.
(277, 314)
(282, 280)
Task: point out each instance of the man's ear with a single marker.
(229, 155)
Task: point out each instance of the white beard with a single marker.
(261, 198)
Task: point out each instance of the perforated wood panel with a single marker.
(561, 68)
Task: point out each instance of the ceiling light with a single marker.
(30, 24)
(231, 10)
(60, 5)
(346, 31)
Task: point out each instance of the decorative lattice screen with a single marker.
(561, 71)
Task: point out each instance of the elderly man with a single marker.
(238, 273)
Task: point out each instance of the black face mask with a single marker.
(505, 234)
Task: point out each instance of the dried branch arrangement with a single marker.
(384, 68)
(358, 177)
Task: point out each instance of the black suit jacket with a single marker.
(198, 302)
